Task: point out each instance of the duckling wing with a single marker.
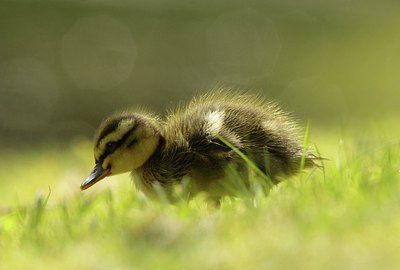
(259, 130)
(256, 132)
(202, 132)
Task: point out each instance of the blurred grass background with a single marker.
(64, 65)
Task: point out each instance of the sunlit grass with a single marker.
(343, 217)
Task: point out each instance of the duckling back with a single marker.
(194, 141)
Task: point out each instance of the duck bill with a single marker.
(95, 176)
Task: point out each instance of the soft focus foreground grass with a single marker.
(345, 217)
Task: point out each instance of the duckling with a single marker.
(198, 142)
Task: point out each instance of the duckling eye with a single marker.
(111, 146)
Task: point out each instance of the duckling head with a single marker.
(123, 143)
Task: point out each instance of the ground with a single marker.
(345, 216)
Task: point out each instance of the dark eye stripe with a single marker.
(110, 128)
(118, 144)
(132, 143)
(111, 146)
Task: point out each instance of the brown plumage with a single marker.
(191, 142)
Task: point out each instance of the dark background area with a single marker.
(64, 65)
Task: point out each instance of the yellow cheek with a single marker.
(97, 153)
(107, 161)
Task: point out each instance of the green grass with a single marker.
(346, 216)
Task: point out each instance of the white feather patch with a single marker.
(215, 120)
